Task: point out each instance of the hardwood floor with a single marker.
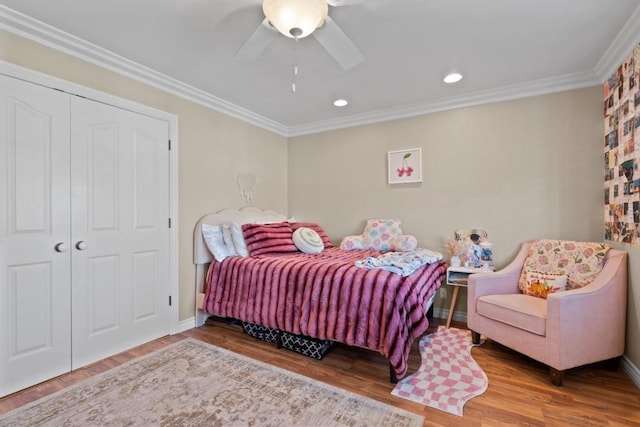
(519, 390)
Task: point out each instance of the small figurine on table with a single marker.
(477, 248)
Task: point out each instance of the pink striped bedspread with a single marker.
(325, 296)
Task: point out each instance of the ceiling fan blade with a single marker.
(336, 3)
(260, 40)
(338, 44)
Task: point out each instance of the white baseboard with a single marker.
(186, 324)
(443, 313)
(631, 370)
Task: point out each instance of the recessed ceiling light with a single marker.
(340, 102)
(453, 77)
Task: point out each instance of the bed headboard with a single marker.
(245, 215)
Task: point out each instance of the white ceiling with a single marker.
(504, 48)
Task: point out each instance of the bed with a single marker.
(322, 296)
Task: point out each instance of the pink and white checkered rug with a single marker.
(448, 377)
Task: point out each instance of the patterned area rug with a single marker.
(197, 384)
(448, 377)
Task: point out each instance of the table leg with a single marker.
(456, 289)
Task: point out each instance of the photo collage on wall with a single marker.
(622, 152)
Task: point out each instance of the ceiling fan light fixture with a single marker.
(296, 18)
(453, 78)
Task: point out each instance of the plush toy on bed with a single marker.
(382, 235)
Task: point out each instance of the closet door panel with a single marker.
(120, 211)
(148, 225)
(102, 177)
(103, 292)
(35, 278)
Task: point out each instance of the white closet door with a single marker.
(120, 232)
(35, 281)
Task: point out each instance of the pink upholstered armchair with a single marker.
(580, 325)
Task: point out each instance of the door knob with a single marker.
(81, 245)
(61, 247)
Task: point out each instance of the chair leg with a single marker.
(612, 364)
(393, 378)
(475, 337)
(556, 377)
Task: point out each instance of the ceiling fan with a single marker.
(314, 21)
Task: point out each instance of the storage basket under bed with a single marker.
(312, 347)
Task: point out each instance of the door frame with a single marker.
(36, 77)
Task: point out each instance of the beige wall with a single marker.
(523, 169)
(632, 349)
(213, 148)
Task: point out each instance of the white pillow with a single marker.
(308, 241)
(228, 240)
(238, 240)
(214, 239)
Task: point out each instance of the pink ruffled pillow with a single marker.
(269, 239)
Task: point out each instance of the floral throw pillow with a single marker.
(579, 261)
(540, 285)
(350, 243)
(383, 234)
(404, 243)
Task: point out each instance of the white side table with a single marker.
(458, 277)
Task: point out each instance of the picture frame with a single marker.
(404, 166)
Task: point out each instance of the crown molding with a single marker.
(49, 36)
(624, 43)
(39, 32)
(504, 93)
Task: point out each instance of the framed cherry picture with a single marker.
(405, 166)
